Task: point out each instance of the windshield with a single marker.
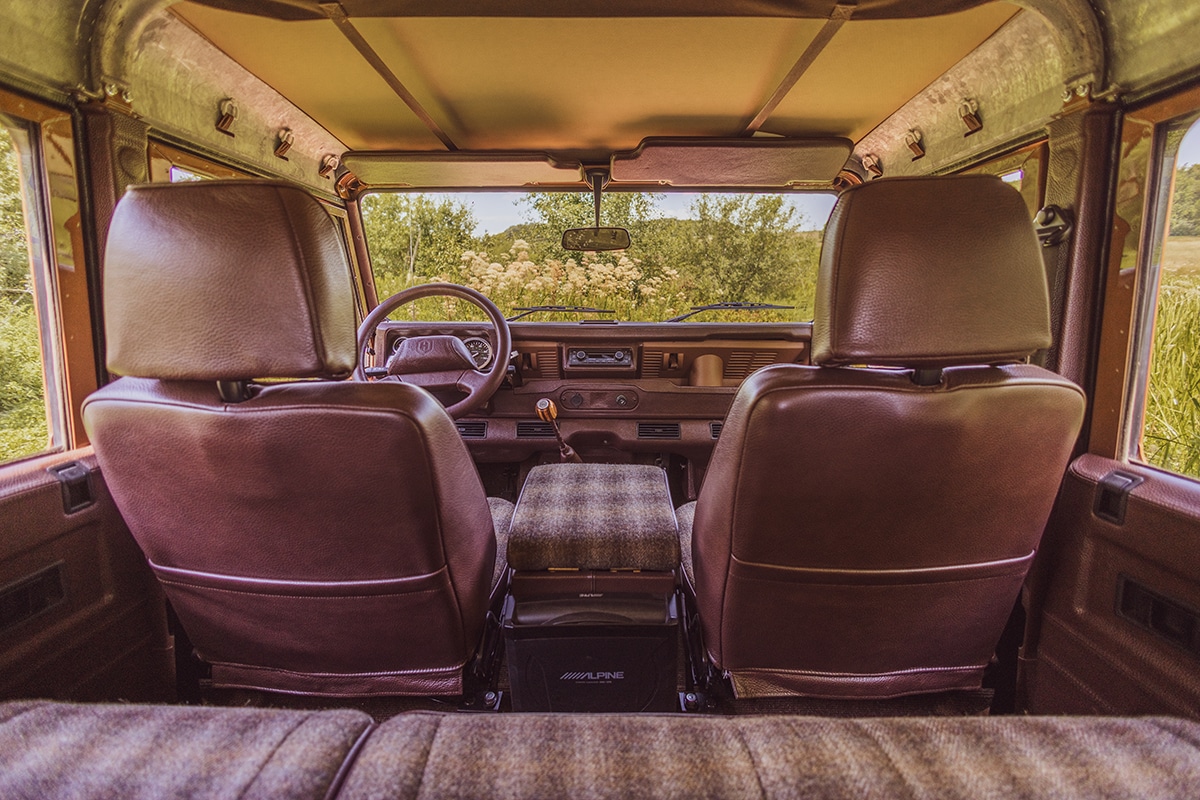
(688, 250)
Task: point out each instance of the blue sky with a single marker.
(495, 211)
(1189, 148)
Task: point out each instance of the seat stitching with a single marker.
(909, 788)
(339, 778)
(428, 755)
(271, 755)
(741, 735)
(1173, 734)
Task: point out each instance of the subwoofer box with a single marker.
(612, 652)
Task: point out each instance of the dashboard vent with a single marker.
(472, 429)
(535, 430)
(546, 362)
(652, 361)
(715, 429)
(741, 363)
(658, 430)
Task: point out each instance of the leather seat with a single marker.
(864, 531)
(314, 536)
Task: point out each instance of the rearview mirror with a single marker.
(595, 239)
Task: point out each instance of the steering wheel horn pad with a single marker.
(434, 363)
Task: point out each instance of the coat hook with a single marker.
(284, 143)
(969, 111)
(227, 112)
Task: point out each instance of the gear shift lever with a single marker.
(548, 412)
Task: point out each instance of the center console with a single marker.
(591, 622)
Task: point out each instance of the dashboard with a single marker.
(625, 392)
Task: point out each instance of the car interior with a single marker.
(604, 399)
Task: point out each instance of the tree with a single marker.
(14, 253)
(1185, 206)
(415, 237)
(749, 247)
(548, 214)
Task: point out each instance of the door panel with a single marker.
(83, 617)
(1120, 626)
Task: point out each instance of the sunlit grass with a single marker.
(1171, 435)
(23, 427)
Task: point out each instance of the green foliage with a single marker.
(1171, 436)
(750, 247)
(735, 247)
(14, 255)
(414, 238)
(1185, 208)
(23, 427)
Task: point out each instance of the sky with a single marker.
(496, 211)
(1189, 148)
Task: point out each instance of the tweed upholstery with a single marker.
(502, 512)
(57, 750)
(51, 750)
(536, 756)
(686, 515)
(594, 516)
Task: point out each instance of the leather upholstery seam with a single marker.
(180, 577)
(856, 676)
(430, 671)
(832, 574)
(294, 596)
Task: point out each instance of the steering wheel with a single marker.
(441, 362)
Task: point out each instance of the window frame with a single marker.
(1143, 187)
(58, 268)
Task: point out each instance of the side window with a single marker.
(31, 390)
(1165, 423)
(1024, 170)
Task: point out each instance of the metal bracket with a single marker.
(1053, 225)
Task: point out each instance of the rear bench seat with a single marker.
(56, 750)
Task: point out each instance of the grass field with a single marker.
(1171, 435)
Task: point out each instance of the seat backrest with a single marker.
(864, 531)
(320, 536)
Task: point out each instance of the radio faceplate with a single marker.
(606, 359)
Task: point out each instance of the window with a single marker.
(688, 250)
(1167, 386)
(31, 409)
(1024, 170)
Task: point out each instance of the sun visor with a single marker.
(396, 170)
(760, 163)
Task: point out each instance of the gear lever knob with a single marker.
(546, 410)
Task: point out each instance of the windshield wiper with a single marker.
(527, 310)
(728, 306)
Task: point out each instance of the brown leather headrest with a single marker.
(930, 273)
(226, 280)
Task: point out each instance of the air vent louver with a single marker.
(472, 429)
(547, 363)
(715, 429)
(741, 363)
(535, 430)
(658, 430)
(652, 361)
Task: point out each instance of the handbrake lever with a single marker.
(548, 412)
